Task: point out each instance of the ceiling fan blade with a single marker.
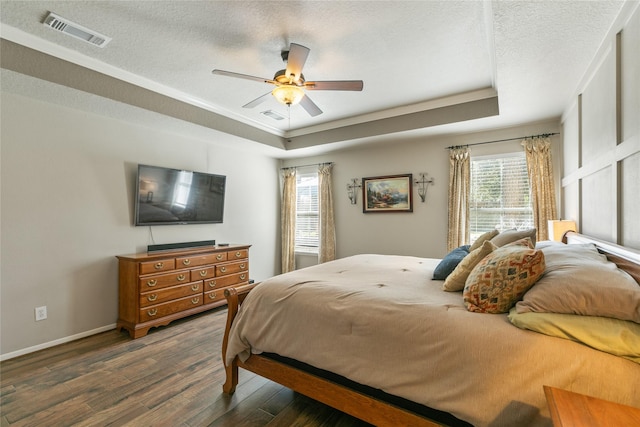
(259, 100)
(310, 107)
(295, 61)
(356, 85)
(241, 76)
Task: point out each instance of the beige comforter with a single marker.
(381, 321)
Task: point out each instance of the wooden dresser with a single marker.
(157, 288)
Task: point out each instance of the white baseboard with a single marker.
(56, 342)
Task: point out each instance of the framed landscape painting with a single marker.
(392, 193)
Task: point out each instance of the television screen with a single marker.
(170, 196)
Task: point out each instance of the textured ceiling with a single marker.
(413, 56)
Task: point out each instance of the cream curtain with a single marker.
(459, 188)
(540, 170)
(288, 220)
(327, 240)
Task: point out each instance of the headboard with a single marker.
(627, 259)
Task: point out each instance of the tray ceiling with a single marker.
(427, 66)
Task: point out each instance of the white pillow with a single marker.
(580, 280)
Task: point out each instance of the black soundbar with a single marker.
(184, 245)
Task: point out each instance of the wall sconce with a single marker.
(422, 183)
(352, 190)
(557, 228)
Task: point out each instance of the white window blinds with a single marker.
(307, 233)
(500, 194)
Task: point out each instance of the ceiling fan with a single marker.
(291, 84)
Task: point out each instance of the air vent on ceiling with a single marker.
(58, 23)
(273, 115)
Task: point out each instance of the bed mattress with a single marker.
(381, 320)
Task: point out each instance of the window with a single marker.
(307, 218)
(500, 194)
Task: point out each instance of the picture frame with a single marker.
(392, 193)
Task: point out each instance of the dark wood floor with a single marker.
(172, 377)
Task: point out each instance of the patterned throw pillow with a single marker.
(526, 242)
(502, 278)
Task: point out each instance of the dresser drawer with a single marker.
(213, 296)
(239, 254)
(232, 267)
(224, 281)
(171, 293)
(195, 260)
(149, 283)
(157, 266)
(203, 273)
(160, 310)
(221, 257)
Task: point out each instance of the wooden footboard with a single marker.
(235, 297)
(355, 403)
(359, 405)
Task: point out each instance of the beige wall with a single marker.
(423, 232)
(67, 190)
(601, 180)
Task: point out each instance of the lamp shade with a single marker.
(146, 185)
(288, 94)
(558, 227)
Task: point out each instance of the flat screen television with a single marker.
(167, 196)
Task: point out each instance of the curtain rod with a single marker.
(543, 135)
(305, 166)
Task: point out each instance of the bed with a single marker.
(376, 337)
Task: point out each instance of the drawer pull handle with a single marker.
(212, 295)
(152, 297)
(181, 277)
(212, 284)
(203, 273)
(152, 312)
(195, 287)
(158, 265)
(243, 276)
(186, 261)
(195, 300)
(223, 269)
(238, 254)
(243, 266)
(151, 283)
(219, 257)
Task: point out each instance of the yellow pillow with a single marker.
(455, 281)
(615, 336)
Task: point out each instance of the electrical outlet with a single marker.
(41, 313)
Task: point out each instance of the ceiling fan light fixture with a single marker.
(288, 94)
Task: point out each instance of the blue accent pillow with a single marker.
(450, 262)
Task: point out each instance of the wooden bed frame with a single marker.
(361, 405)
